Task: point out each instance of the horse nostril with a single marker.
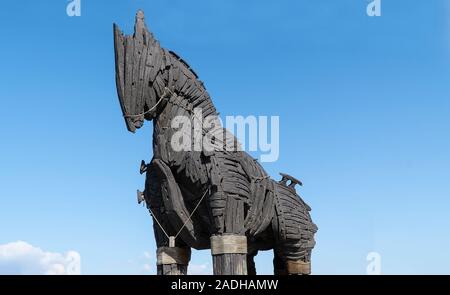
(138, 123)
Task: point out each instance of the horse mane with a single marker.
(177, 57)
(191, 86)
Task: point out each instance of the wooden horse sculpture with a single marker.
(214, 198)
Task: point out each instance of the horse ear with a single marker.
(141, 33)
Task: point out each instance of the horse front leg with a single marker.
(229, 245)
(173, 253)
(229, 242)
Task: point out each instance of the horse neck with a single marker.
(191, 94)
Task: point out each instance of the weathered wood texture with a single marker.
(230, 264)
(154, 83)
(172, 260)
(172, 270)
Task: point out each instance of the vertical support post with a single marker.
(229, 253)
(298, 267)
(173, 261)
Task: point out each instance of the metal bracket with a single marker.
(143, 168)
(140, 197)
(293, 181)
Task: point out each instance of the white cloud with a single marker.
(21, 258)
(147, 268)
(200, 269)
(147, 255)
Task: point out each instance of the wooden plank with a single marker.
(176, 209)
(172, 270)
(119, 51)
(230, 264)
(243, 200)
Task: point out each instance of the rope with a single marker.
(165, 94)
(190, 216)
(185, 223)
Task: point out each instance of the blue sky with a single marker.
(364, 112)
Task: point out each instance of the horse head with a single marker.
(138, 61)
